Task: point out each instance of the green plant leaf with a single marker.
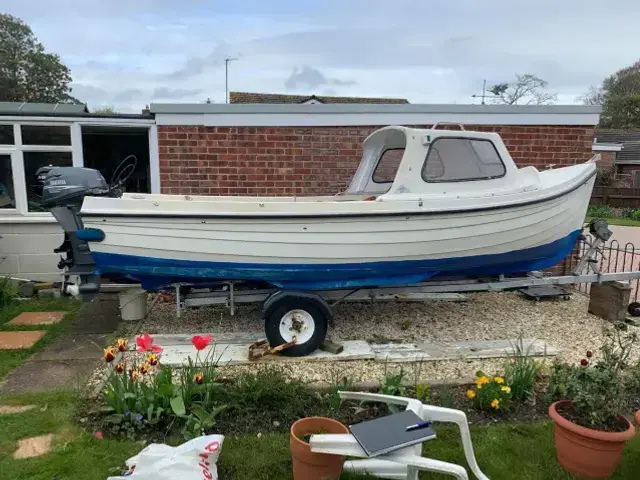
(128, 395)
(116, 418)
(177, 405)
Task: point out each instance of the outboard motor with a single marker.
(63, 190)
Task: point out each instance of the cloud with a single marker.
(129, 52)
(164, 93)
(312, 78)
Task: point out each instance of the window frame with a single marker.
(474, 179)
(75, 125)
(373, 174)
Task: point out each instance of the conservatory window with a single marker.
(455, 159)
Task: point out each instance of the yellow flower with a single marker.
(481, 381)
(144, 368)
(505, 389)
(498, 380)
(152, 359)
(471, 394)
(495, 403)
(136, 375)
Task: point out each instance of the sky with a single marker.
(129, 53)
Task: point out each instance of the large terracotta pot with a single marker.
(638, 418)
(585, 452)
(308, 465)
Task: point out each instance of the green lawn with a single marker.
(10, 359)
(508, 451)
(624, 222)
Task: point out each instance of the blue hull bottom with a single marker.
(155, 273)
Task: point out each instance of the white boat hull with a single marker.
(326, 252)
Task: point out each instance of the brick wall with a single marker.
(317, 160)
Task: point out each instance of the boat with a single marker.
(423, 204)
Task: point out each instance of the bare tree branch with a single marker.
(528, 89)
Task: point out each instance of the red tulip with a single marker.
(201, 341)
(145, 344)
(584, 362)
(589, 354)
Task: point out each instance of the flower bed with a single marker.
(143, 398)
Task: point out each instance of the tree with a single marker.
(593, 96)
(27, 72)
(108, 110)
(621, 98)
(528, 89)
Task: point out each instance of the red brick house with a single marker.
(280, 149)
(620, 149)
(246, 97)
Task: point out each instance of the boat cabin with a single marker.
(401, 160)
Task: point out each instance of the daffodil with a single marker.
(495, 403)
(498, 380)
(506, 389)
(471, 394)
(481, 381)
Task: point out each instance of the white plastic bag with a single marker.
(193, 460)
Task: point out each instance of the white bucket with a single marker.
(133, 304)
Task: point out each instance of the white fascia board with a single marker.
(371, 118)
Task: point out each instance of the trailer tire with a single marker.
(299, 317)
(634, 309)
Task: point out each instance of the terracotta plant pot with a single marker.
(585, 452)
(637, 417)
(308, 465)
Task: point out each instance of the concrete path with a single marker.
(68, 361)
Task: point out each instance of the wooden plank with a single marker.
(238, 354)
(474, 349)
(180, 339)
(331, 347)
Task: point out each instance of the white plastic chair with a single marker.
(403, 464)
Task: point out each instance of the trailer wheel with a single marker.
(634, 309)
(296, 318)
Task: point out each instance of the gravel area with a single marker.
(486, 316)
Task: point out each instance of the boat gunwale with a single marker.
(253, 216)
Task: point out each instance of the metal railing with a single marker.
(614, 257)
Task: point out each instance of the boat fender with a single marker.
(275, 299)
(90, 234)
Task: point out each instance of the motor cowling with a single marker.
(69, 185)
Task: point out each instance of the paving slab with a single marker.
(101, 315)
(9, 409)
(38, 318)
(33, 377)
(74, 347)
(16, 340)
(33, 446)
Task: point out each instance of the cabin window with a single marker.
(388, 164)
(454, 159)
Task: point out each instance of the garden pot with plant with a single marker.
(308, 465)
(590, 431)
